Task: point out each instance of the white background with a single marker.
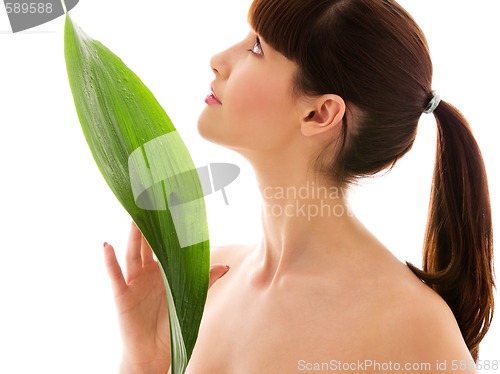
(56, 308)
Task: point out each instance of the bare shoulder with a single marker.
(231, 254)
(421, 324)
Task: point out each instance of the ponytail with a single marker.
(458, 246)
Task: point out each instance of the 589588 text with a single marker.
(24, 8)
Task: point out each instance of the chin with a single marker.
(204, 129)
(208, 132)
(213, 131)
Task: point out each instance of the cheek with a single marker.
(256, 114)
(262, 106)
(246, 95)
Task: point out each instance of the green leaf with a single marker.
(149, 169)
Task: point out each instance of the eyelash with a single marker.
(256, 45)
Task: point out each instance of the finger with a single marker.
(114, 270)
(146, 252)
(133, 257)
(216, 273)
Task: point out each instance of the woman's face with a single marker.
(252, 106)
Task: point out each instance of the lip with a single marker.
(212, 98)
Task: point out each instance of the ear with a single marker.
(323, 114)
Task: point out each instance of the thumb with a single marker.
(217, 272)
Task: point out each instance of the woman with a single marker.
(320, 94)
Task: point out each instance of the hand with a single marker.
(142, 305)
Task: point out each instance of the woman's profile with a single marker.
(320, 94)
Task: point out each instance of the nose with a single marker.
(220, 64)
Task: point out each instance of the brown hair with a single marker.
(374, 55)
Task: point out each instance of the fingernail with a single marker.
(227, 269)
(105, 244)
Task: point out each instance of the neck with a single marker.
(305, 221)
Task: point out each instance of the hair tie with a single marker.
(433, 104)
